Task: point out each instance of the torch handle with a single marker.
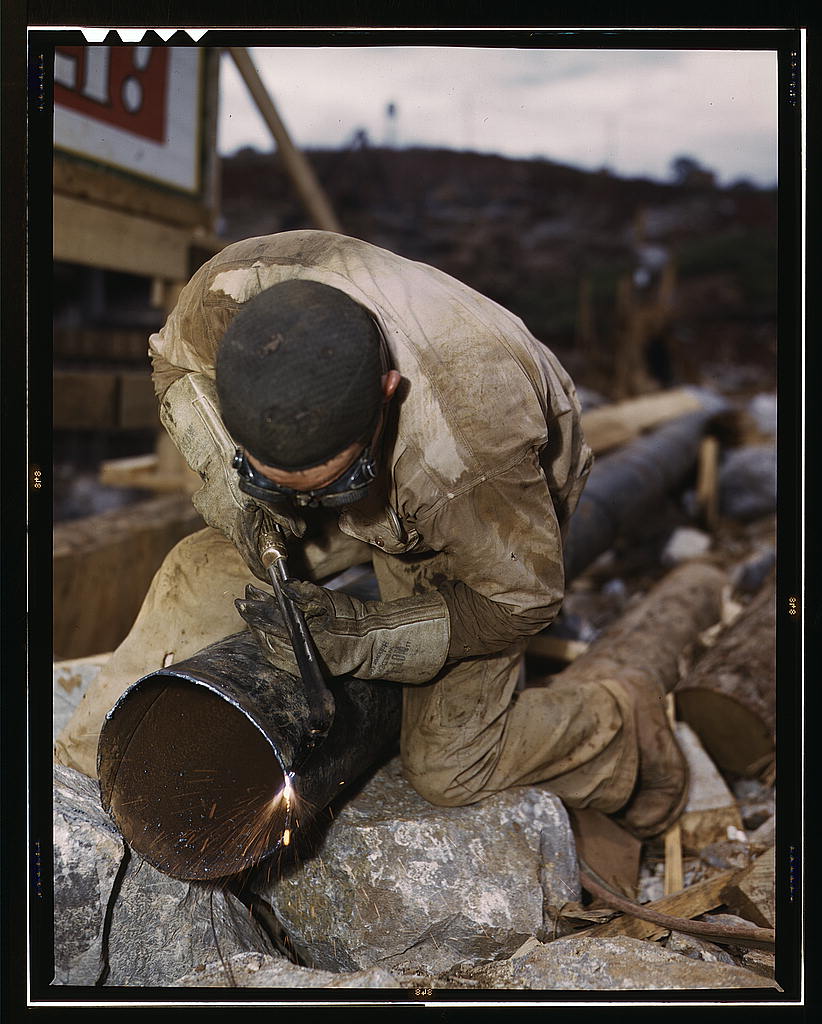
(320, 699)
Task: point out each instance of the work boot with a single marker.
(661, 790)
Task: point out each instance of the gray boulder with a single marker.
(159, 927)
(259, 970)
(400, 882)
(595, 964)
(762, 409)
(88, 851)
(163, 928)
(747, 482)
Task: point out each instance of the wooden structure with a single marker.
(102, 567)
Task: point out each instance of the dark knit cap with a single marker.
(298, 374)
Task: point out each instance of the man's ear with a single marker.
(390, 383)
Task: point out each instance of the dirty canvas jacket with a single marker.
(488, 459)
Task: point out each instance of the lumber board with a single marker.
(707, 482)
(612, 425)
(558, 648)
(84, 181)
(129, 345)
(84, 400)
(751, 893)
(102, 567)
(689, 903)
(143, 471)
(100, 236)
(104, 400)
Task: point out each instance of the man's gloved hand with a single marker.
(247, 528)
(405, 641)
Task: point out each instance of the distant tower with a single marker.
(391, 125)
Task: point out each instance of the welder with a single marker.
(381, 411)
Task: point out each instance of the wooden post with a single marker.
(707, 483)
(673, 837)
(297, 166)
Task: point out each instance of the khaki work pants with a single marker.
(466, 736)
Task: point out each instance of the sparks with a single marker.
(286, 837)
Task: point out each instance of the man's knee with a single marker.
(437, 781)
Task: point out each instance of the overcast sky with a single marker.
(630, 110)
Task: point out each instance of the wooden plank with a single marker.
(84, 400)
(145, 471)
(95, 343)
(691, 902)
(99, 236)
(673, 836)
(299, 169)
(104, 400)
(102, 567)
(707, 482)
(612, 425)
(751, 894)
(82, 180)
(137, 402)
(558, 648)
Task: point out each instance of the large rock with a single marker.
(596, 964)
(258, 970)
(762, 409)
(159, 927)
(163, 928)
(401, 881)
(88, 851)
(747, 482)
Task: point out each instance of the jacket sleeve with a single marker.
(186, 342)
(503, 557)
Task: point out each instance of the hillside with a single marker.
(528, 232)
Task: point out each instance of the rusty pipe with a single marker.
(198, 762)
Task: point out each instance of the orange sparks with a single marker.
(286, 837)
(213, 809)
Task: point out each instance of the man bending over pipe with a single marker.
(402, 418)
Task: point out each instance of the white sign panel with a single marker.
(136, 108)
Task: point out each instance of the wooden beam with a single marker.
(82, 180)
(104, 400)
(707, 482)
(102, 567)
(144, 471)
(99, 236)
(691, 902)
(612, 425)
(298, 168)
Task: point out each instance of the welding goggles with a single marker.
(350, 486)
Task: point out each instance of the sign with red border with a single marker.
(136, 108)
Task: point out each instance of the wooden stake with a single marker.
(299, 169)
(673, 837)
(707, 489)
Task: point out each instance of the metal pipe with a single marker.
(202, 764)
(624, 487)
(199, 762)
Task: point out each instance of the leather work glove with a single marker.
(190, 413)
(405, 641)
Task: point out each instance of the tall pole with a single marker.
(299, 169)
